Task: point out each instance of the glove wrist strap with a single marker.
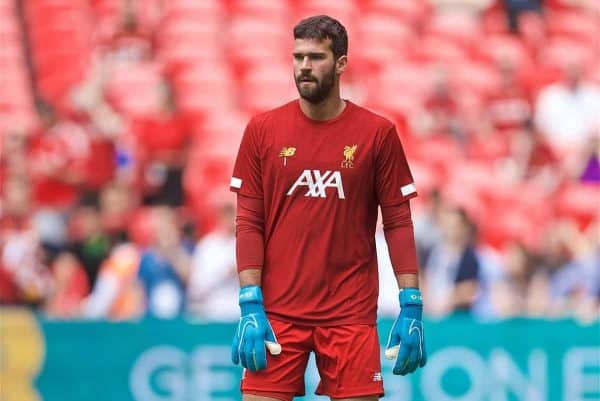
(251, 300)
(411, 303)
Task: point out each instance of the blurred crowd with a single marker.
(117, 155)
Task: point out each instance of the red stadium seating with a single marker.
(59, 30)
(16, 100)
(412, 12)
(578, 26)
(142, 79)
(228, 60)
(460, 28)
(579, 202)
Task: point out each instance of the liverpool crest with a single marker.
(349, 156)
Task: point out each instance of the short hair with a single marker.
(323, 27)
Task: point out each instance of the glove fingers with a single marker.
(413, 360)
(235, 354)
(242, 352)
(423, 360)
(400, 368)
(248, 354)
(259, 355)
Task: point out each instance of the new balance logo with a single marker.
(318, 182)
(377, 377)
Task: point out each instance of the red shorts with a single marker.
(347, 358)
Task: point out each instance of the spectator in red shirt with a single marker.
(58, 156)
(70, 287)
(442, 111)
(162, 142)
(24, 279)
(508, 107)
(531, 158)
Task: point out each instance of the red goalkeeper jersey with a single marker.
(321, 184)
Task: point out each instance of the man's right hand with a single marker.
(254, 332)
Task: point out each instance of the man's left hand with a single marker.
(406, 342)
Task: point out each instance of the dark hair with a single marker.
(323, 27)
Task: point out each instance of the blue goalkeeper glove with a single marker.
(406, 343)
(254, 332)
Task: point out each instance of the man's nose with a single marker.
(305, 66)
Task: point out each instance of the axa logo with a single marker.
(317, 182)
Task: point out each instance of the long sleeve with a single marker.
(400, 238)
(250, 228)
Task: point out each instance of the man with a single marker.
(309, 177)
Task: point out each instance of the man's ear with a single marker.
(341, 64)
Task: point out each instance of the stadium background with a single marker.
(119, 122)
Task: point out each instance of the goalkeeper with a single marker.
(310, 177)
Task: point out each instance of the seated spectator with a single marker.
(162, 141)
(451, 275)
(568, 112)
(214, 286)
(508, 107)
(13, 155)
(427, 227)
(24, 276)
(117, 294)
(89, 242)
(70, 286)
(164, 266)
(510, 295)
(58, 156)
(442, 114)
(552, 284)
(575, 287)
(531, 158)
(117, 203)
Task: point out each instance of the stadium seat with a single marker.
(209, 168)
(384, 28)
(584, 27)
(16, 101)
(494, 22)
(58, 30)
(438, 50)
(142, 79)
(412, 12)
(276, 10)
(579, 202)
(560, 53)
(477, 78)
(207, 87)
(264, 88)
(440, 152)
(496, 48)
(510, 226)
(457, 27)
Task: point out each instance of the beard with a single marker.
(318, 90)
